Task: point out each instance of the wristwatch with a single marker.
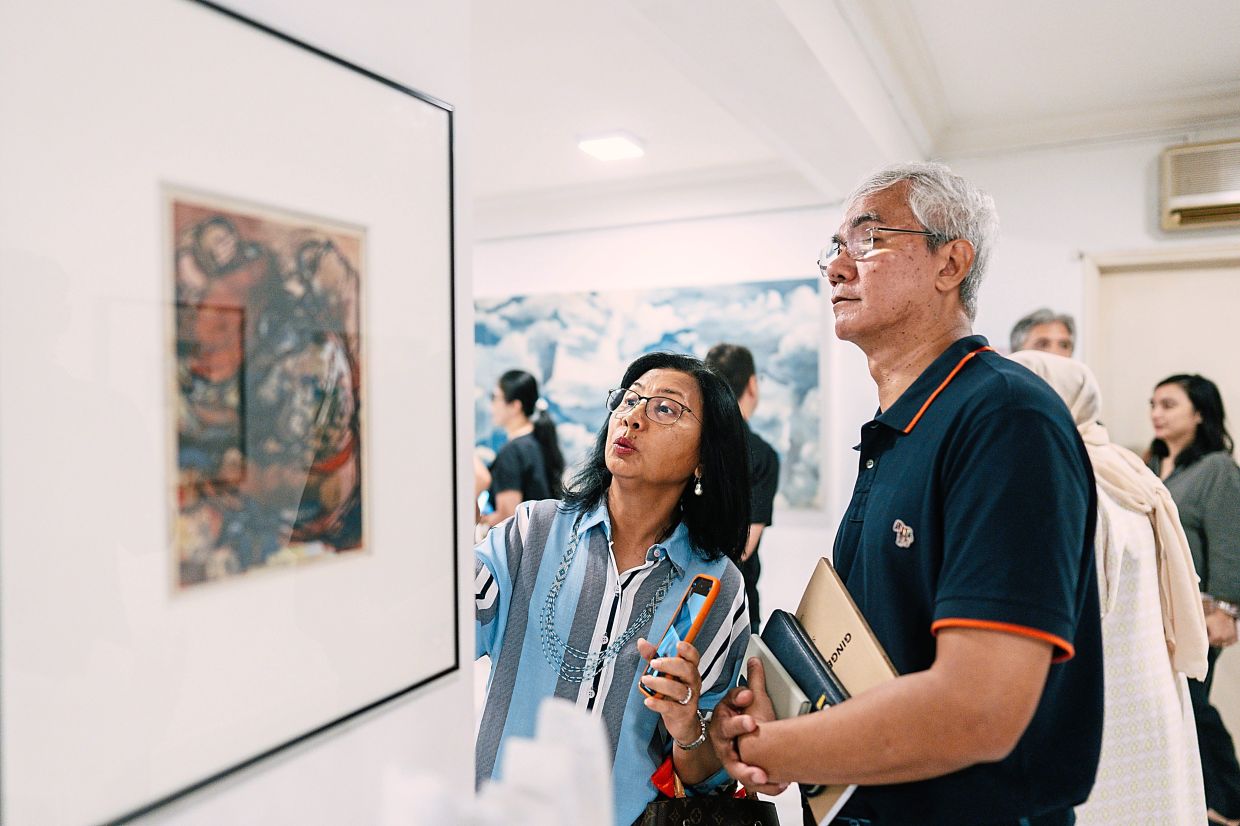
(1229, 608)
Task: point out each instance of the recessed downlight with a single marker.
(613, 146)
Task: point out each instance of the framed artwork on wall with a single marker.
(227, 501)
(577, 345)
(268, 389)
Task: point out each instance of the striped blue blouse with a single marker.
(558, 619)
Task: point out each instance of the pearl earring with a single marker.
(697, 487)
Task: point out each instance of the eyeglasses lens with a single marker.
(659, 409)
(856, 246)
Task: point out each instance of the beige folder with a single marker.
(786, 696)
(845, 640)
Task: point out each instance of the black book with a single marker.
(791, 645)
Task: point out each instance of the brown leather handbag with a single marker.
(709, 810)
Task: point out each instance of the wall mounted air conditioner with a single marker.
(1201, 185)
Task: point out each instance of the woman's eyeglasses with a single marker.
(659, 409)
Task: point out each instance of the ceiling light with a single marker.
(614, 146)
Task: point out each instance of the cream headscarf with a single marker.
(1130, 483)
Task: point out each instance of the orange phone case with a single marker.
(694, 627)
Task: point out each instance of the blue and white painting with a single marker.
(578, 344)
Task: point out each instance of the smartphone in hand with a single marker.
(687, 621)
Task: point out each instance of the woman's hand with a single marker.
(679, 685)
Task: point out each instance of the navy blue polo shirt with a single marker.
(975, 507)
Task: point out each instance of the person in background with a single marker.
(967, 545)
(1045, 330)
(1191, 453)
(1153, 633)
(529, 466)
(482, 481)
(735, 364)
(567, 591)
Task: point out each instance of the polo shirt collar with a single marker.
(903, 415)
(676, 547)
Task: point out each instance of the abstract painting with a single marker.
(268, 388)
(578, 344)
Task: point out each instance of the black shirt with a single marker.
(763, 478)
(975, 507)
(519, 466)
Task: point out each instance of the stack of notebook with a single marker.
(798, 677)
(819, 658)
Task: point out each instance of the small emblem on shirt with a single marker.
(904, 534)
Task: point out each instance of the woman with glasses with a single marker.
(1191, 452)
(529, 465)
(569, 592)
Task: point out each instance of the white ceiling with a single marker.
(759, 104)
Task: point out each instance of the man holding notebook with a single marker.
(968, 546)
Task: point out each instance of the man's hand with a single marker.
(736, 718)
(1220, 628)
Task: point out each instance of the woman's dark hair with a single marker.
(520, 386)
(1211, 435)
(718, 520)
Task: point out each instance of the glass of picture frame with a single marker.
(228, 512)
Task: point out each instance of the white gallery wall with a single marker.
(355, 773)
(1054, 204)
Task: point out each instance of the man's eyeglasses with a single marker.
(859, 244)
(659, 409)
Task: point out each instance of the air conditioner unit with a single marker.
(1201, 185)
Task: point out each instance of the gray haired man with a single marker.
(1045, 330)
(968, 546)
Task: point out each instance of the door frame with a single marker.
(1095, 265)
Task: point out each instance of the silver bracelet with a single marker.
(701, 737)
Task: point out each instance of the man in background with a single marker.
(1047, 331)
(735, 364)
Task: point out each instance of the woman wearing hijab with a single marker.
(1153, 631)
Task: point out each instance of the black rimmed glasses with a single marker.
(859, 244)
(659, 409)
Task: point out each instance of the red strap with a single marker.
(664, 778)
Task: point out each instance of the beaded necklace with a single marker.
(562, 656)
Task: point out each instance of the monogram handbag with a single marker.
(708, 810)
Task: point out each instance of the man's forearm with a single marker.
(751, 543)
(911, 728)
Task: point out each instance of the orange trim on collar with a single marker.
(909, 427)
(1067, 651)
